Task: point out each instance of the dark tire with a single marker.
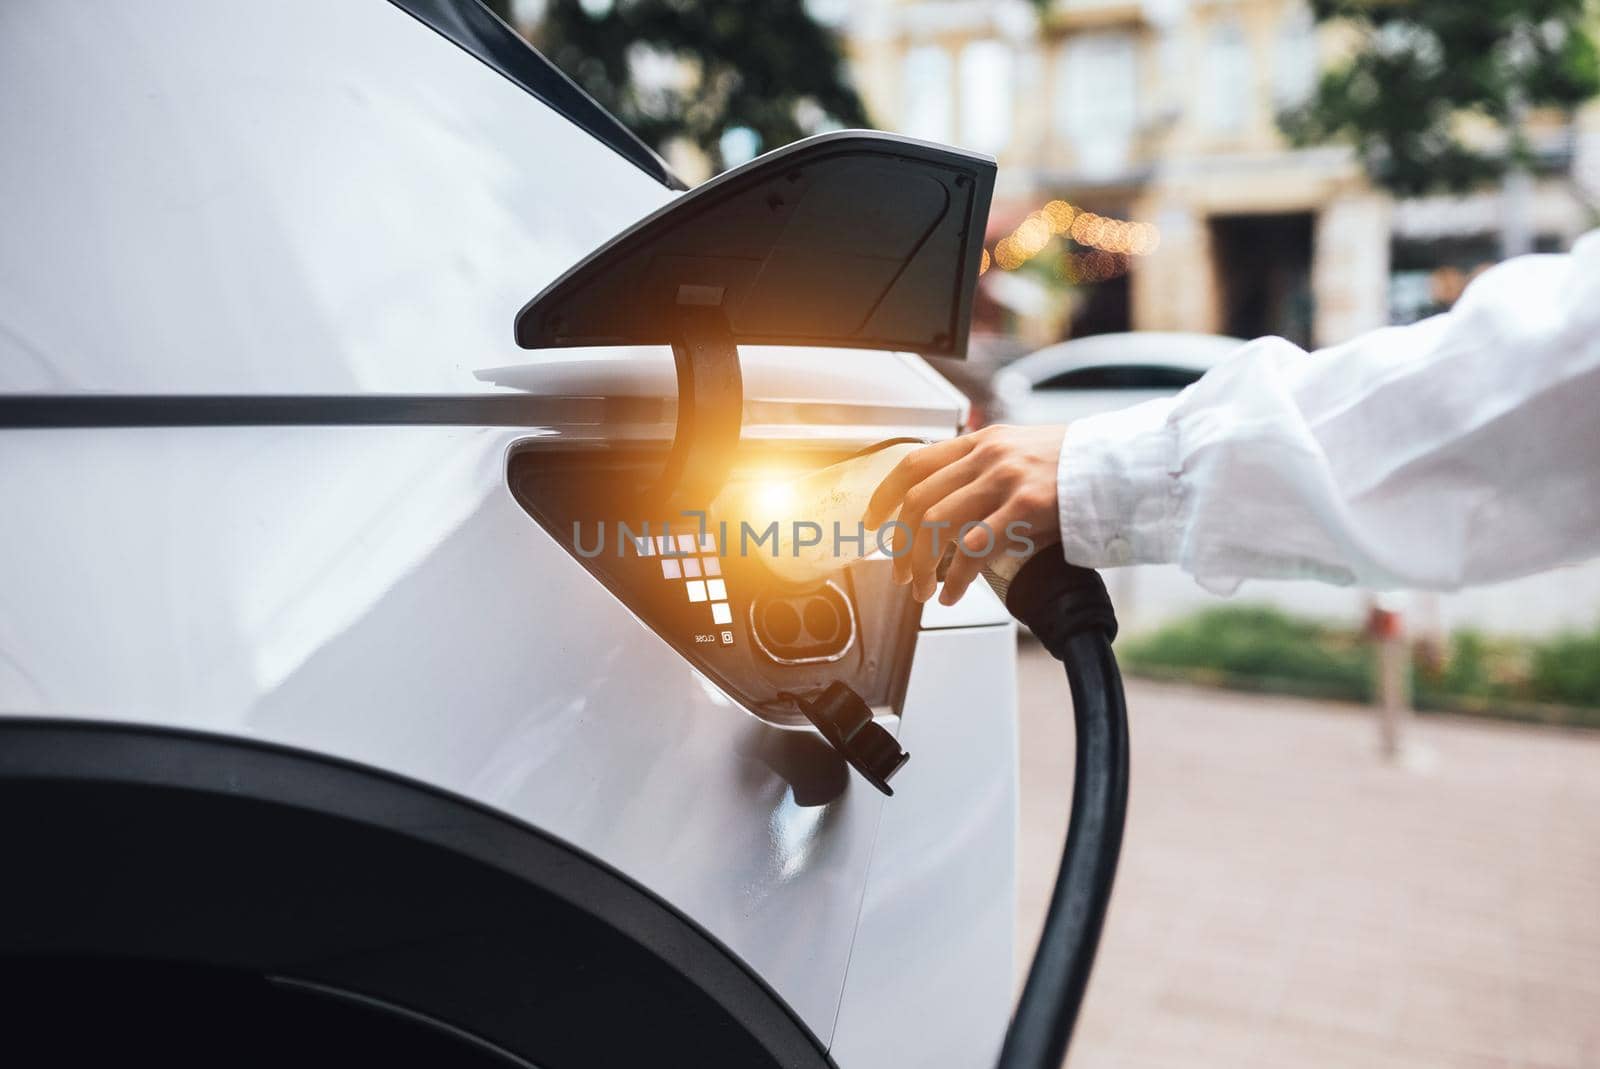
(98, 1014)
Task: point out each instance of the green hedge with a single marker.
(1257, 648)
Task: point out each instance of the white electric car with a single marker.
(1104, 372)
(330, 336)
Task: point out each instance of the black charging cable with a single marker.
(1068, 609)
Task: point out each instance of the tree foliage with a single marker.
(1422, 66)
(710, 66)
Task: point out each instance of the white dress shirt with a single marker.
(1462, 449)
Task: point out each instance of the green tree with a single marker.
(766, 71)
(1421, 66)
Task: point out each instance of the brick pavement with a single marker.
(1288, 899)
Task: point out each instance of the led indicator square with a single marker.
(669, 569)
(645, 546)
(664, 543)
(691, 567)
(697, 590)
(708, 543)
(712, 565)
(716, 590)
(686, 543)
(720, 613)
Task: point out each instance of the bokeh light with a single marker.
(1059, 214)
(1008, 255)
(1032, 235)
(1109, 244)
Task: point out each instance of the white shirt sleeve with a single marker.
(1463, 449)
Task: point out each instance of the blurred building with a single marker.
(1164, 111)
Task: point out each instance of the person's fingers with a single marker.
(963, 570)
(999, 475)
(913, 468)
(974, 550)
(942, 523)
(913, 542)
(923, 536)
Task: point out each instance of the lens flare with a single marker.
(772, 497)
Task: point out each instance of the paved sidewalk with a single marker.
(1287, 899)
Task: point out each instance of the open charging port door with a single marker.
(853, 239)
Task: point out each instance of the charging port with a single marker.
(804, 627)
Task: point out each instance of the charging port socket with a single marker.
(812, 626)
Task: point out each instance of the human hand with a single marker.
(993, 479)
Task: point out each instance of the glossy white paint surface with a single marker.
(296, 196)
(978, 607)
(931, 975)
(789, 391)
(301, 197)
(376, 594)
(304, 197)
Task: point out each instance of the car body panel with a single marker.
(375, 594)
(335, 202)
(928, 985)
(158, 246)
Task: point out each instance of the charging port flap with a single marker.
(855, 239)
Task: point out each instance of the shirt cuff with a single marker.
(1118, 487)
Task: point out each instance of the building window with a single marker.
(1229, 74)
(925, 94)
(986, 95)
(1296, 60)
(1097, 100)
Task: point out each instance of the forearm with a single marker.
(1463, 449)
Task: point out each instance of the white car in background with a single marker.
(1102, 373)
(323, 737)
